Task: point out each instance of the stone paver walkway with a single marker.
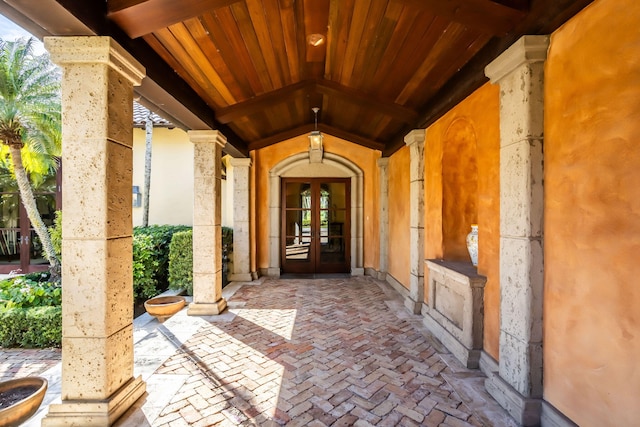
(19, 363)
(324, 352)
(327, 352)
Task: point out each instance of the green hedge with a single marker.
(181, 261)
(36, 327)
(181, 258)
(151, 258)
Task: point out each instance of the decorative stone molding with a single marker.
(527, 50)
(207, 228)
(415, 141)
(97, 345)
(455, 312)
(520, 73)
(332, 166)
(241, 221)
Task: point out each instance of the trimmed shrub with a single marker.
(181, 261)
(145, 267)
(158, 246)
(35, 327)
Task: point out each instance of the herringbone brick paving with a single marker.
(327, 352)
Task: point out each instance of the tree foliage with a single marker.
(30, 124)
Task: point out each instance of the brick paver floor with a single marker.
(325, 352)
(18, 363)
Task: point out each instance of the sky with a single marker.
(11, 31)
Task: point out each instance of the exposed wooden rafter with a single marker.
(140, 17)
(308, 87)
(485, 15)
(304, 129)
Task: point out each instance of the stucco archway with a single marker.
(332, 166)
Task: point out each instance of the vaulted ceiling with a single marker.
(255, 68)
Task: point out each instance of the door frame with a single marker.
(332, 166)
(315, 264)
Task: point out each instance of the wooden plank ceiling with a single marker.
(379, 69)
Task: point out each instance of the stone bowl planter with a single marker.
(20, 399)
(164, 307)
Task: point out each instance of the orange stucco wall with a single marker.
(266, 158)
(592, 216)
(462, 186)
(399, 208)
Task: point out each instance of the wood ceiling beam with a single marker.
(140, 17)
(322, 87)
(279, 137)
(347, 94)
(305, 129)
(261, 103)
(351, 137)
(484, 15)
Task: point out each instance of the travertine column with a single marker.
(207, 227)
(241, 221)
(415, 141)
(383, 174)
(97, 316)
(520, 73)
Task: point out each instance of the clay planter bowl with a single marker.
(32, 390)
(164, 307)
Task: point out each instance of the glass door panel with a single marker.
(333, 226)
(297, 226)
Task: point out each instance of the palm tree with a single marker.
(30, 123)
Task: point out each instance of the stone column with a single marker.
(383, 176)
(207, 223)
(241, 221)
(97, 315)
(519, 71)
(415, 140)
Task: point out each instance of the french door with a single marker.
(315, 225)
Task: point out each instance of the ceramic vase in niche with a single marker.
(472, 244)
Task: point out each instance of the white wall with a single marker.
(171, 199)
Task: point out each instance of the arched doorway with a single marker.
(333, 168)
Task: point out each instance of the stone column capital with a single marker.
(92, 50)
(240, 162)
(415, 136)
(213, 136)
(383, 162)
(527, 50)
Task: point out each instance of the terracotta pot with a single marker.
(22, 410)
(164, 307)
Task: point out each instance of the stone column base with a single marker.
(241, 277)
(95, 413)
(207, 309)
(414, 307)
(526, 411)
(273, 272)
(551, 417)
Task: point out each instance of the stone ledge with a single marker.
(455, 310)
